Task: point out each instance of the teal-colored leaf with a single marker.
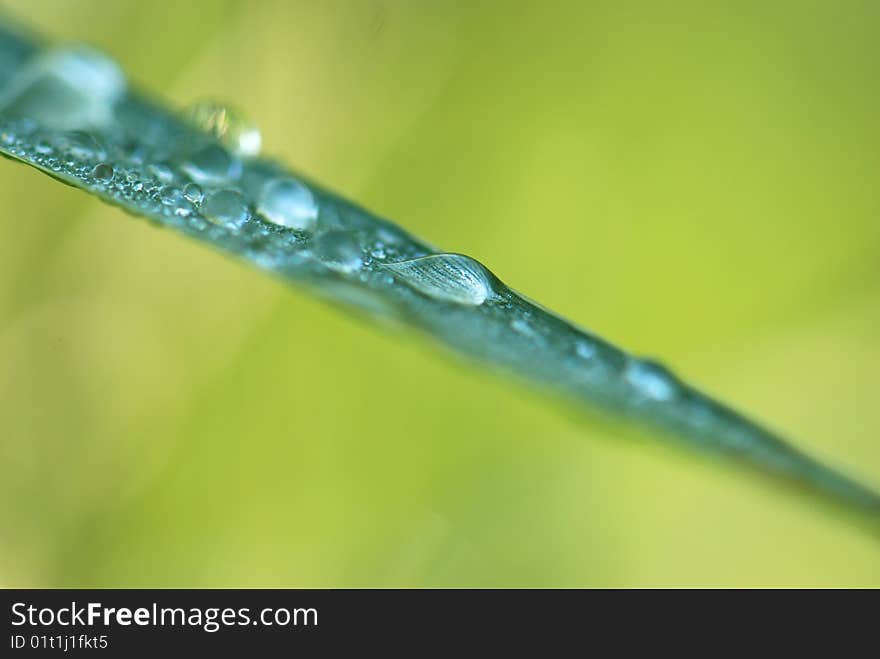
(70, 113)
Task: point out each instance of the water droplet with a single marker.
(339, 250)
(650, 379)
(43, 147)
(450, 277)
(193, 193)
(65, 89)
(226, 208)
(161, 171)
(211, 165)
(288, 203)
(103, 173)
(523, 326)
(81, 145)
(171, 196)
(228, 125)
(585, 350)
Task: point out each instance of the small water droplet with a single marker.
(43, 147)
(524, 326)
(228, 125)
(211, 165)
(288, 203)
(650, 379)
(585, 350)
(226, 208)
(450, 277)
(103, 173)
(193, 192)
(339, 250)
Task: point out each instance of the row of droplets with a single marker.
(70, 94)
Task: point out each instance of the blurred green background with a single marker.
(695, 181)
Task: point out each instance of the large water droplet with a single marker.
(65, 89)
(650, 379)
(288, 203)
(211, 165)
(228, 125)
(450, 277)
(226, 208)
(339, 250)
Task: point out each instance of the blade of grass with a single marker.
(69, 113)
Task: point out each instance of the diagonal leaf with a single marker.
(70, 113)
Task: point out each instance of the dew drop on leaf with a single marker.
(228, 125)
(450, 277)
(226, 208)
(339, 251)
(210, 165)
(103, 173)
(171, 196)
(288, 203)
(81, 145)
(585, 350)
(161, 171)
(193, 192)
(66, 88)
(650, 379)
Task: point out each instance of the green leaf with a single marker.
(70, 113)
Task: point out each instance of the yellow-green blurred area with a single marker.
(695, 181)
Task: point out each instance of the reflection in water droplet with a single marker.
(650, 379)
(171, 196)
(65, 89)
(161, 171)
(288, 203)
(103, 173)
(339, 250)
(524, 327)
(211, 165)
(193, 192)
(226, 208)
(81, 145)
(228, 125)
(450, 277)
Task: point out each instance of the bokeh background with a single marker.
(695, 181)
